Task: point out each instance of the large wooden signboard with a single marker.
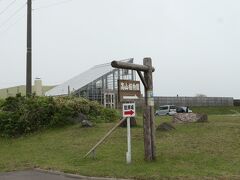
(128, 90)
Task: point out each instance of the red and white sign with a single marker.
(129, 110)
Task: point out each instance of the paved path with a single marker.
(44, 175)
(32, 175)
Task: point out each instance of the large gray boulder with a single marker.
(189, 118)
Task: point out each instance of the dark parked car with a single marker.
(183, 109)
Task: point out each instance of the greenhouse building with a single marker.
(100, 83)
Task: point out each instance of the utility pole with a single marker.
(29, 49)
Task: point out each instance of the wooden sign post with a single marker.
(148, 116)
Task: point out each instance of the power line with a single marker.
(53, 4)
(14, 14)
(13, 24)
(8, 6)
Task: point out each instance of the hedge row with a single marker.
(22, 115)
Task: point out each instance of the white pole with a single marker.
(128, 155)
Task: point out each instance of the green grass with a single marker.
(193, 151)
(218, 110)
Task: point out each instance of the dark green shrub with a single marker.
(7, 123)
(59, 120)
(110, 115)
(36, 113)
(95, 108)
(1, 102)
(22, 115)
(13, 103)
(92, 109)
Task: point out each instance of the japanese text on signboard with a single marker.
(128, 88)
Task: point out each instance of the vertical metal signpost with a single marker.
(129, 152)
(128, 112)
(148, 117)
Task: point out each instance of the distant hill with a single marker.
(12, 91)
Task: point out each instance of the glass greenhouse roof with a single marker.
(82, 79)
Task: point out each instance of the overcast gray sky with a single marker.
(194, 44)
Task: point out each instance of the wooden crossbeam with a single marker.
(136, 67)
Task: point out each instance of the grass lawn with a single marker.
(193, 151)
(217, 110)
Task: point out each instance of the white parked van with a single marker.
(166, 110)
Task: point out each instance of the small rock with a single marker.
(86, 123)
(165, 127)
